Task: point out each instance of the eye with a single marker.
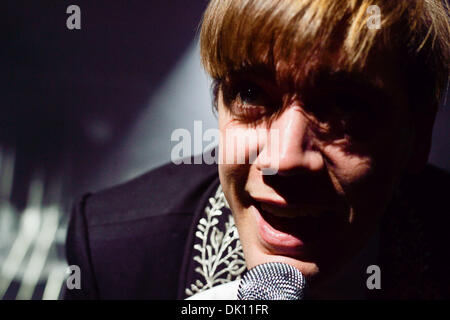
(246, 100)
(250, 94)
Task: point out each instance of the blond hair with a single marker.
(237, 34)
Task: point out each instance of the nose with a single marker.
(294, 151)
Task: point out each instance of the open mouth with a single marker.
(292, 230)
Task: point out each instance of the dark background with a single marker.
(72, 94)
(74, 104)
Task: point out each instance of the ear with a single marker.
(423, 134)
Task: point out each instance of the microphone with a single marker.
(272, 281)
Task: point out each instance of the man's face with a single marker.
(344, 140)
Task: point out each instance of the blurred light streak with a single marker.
(30, 221)
(42, 245)
(54, 282)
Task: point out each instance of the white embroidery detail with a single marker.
(216, 248)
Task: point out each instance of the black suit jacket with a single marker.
(129, 241)
(134, 241)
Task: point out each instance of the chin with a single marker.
(255, 256)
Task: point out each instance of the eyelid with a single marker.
(246, 111)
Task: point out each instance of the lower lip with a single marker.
(276, 240)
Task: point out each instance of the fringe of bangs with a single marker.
(240, 33)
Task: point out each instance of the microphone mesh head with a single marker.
(272, 281)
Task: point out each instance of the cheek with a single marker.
(346, 169)
(239, 142)
(365, 184)
(233, 179)
(232, 171)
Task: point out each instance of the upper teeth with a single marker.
(288, 212)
